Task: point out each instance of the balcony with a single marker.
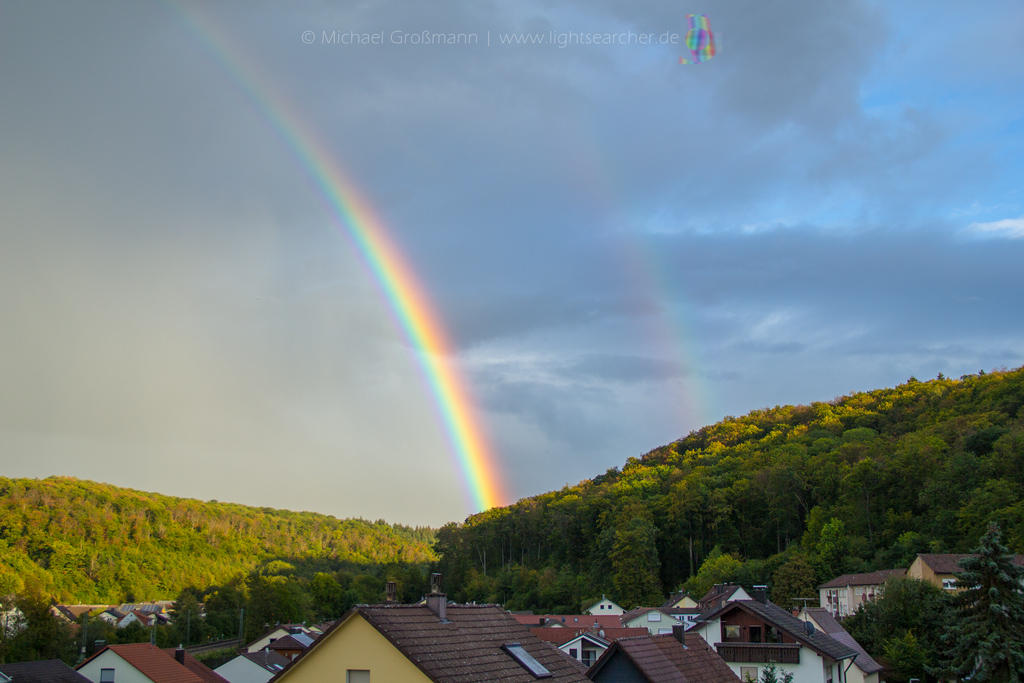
(780, 653)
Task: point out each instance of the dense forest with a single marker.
(81, 541)
(789, 496)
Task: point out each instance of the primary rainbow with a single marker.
(405, 294)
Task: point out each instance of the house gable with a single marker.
(616, 667)
(353, 645)
(123, 670)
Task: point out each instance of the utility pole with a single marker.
(241, 613)
(85, 636)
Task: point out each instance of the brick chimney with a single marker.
(391, 591)
(179, 656)
(677, 632)
(761, 594)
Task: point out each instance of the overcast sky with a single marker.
(622, 248)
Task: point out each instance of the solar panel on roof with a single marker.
(526, 660)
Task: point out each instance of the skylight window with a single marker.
(526, 660)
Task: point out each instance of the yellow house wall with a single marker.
(354, 645)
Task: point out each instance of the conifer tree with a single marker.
(986, 642)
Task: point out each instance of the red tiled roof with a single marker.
(159, 665)
(616, 633)
(558, 636)
(569, 620)
(466, 648)
(203, 672)
(869, 579)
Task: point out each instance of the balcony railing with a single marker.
(781, 653)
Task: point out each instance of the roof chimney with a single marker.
(179, 656)
(677, 632)
(437, 602)
(391, 591)
(761, 594)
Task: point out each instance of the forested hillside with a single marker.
(789, 496)
(83, 541)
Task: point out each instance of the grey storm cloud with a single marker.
(621, 248)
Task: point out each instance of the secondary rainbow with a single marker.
(405, 294)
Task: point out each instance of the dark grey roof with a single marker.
(48, 671)
(821, 643)
(832, 627)
(268, 659)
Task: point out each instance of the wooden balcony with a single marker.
(780, 653)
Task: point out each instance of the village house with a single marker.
(431, 642)
(651, 618)
(145, 663)
(939, 569)
(865, 669)
(721, 593)
(751, 634)
(604, 606)
(844, 595)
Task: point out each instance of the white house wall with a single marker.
(123, 671)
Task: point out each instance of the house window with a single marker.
(949, 584)
(663, 631)
(748, 673)
(106, 676)
(654, 616)
(589, 656)
(357, 676)
(572, 653)
(755, 634)
(732, 632)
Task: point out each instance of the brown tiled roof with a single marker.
(869, 579)
(673, 599)
(947, 563)
(159, 665)
(716, 596)
(663, 659)
(467, 648)
(200, 670)
(49, 671)
(829, 625)
(636, 612)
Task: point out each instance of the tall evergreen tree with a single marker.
(987, 639)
